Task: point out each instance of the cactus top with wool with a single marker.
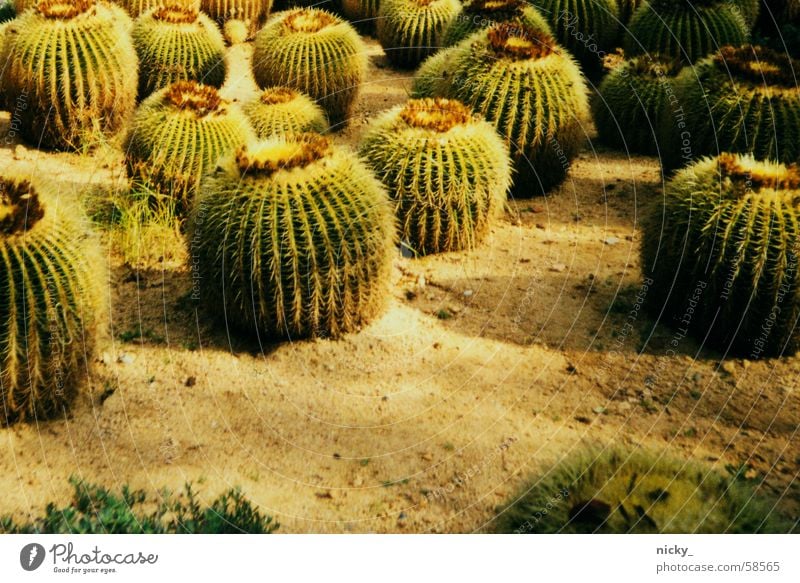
(758, 67)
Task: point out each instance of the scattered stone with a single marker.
(571, 368)
(558, 267)
(190, 381)
(611, 240)
(19, 152)
(126, 358)
(468, 293)
(729, 367)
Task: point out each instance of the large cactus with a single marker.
(177, 44)
(315, 52)
(280, 110)
(684, 29)
(446, 171)
(251, 13)
(52, 277)
(293, 237)
(478, 14)
(75, 65)
(409, 30)
(722, 250)
(178, 133)
(622, 491)
(740, 100)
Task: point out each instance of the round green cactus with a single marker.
(631, 101)
(434, 76)
(408, 30)
(177, 44)
(638, 492)
(280, 110)
(315, 52)
(685, 30)
(362, 13)
(178, 134)
(291, 238)
(447, 172)
(251, 13)
(522, 82)
(51, 272)
(740, 100)
(722, 253)
(75, 65)
(480, 14)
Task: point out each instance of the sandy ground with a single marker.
(487, 368)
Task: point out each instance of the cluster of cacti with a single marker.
(522, 82)
(281, 110)
(621, 491)
(315, 52)
(409, 30)
(247, 14)
(293, 237)
(479, 14)
(631, 101)
(362, 13)
(178, 134)
(447, 172)
(75, 65)
(685, 30)
(742, 100)
(52, 276)
(722, 249)
(177, 44)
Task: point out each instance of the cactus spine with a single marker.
(723, 248)
(408, 30)
(51, 273)
(177, 44)
(446, 171)
(280, 110)
(74, 62)
(251, 13)
(314, 52)
(292, 238)
(479, 14)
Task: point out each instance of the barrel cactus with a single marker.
(522, 82)
(280, 110)
(435, 75)
(293, 237)
(362, 13)
(742, 100)
(52, 301)
(178, 134)
(315, 52)
(685, 30)
(447, 172)
(631, 101)
(250, 13)
(409, 30)
(638, 492)
(479, 14)
(177, 44)
(722, 251)
(75, 65)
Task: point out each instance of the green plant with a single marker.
(739, 100)
(251, 13)
(177, 44)
(522, 82)
(479, 14)
(51, 301)
(637, 492)
(680, 29)
(315, 52)
(434, 76)
(95, 510)
(280, 110)
(362, 13)
(178, 134)
(292, 237)
(408, 30)
(722, 251)
(446, 171)
(74, 63)
(631, 101)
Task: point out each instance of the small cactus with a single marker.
(638, 492)
(685, 30)
(722, 251)
(315, 52)
(51, 275)
(177, 44)
(409, 30)
(178, 134)
(280, 110)
(293, 237)
(75, 65)
(446, 171)
(480, 14)
(251, 13)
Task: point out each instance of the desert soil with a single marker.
(487, 368)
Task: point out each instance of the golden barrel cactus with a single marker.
(281, 110)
